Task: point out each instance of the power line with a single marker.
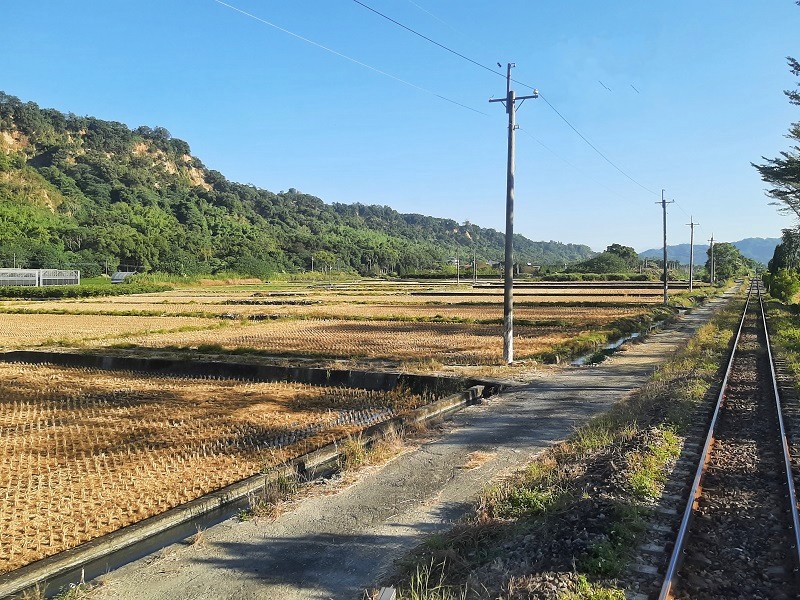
(678, 204)
(593, 147)
(442, 21)
(561, 158)
(351, 59)
(491, 70)
(426, 38)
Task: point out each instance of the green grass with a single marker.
(646, 475)
(80, 291)
(586, 590)
(610, 557)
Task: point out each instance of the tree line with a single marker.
(83, 192)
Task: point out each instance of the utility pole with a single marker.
(458, 267)
(474, 266)
(691, 225)
(663, 204)
(712, 275)
(510, 102)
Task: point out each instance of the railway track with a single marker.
(739, 536)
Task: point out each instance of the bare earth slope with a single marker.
(336, 545)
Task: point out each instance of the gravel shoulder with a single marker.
(335, 545)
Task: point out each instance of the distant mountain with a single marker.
(759, 249)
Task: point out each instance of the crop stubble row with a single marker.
(85, 452)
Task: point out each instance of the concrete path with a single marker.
(333, 546)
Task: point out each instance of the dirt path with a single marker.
(333, 546)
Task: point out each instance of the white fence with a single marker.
(39, 277)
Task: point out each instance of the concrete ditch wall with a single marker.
(367, 380)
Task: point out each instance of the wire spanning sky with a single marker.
(331, 98)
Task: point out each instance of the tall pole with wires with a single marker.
(458, 266)
(663, 204)
(510, 102)
(712, 275)
(691, 225)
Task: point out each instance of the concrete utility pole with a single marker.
(458, 267)
(474, 266)
(663, 204)
(712, 275)
(510, 102)
(691, 224)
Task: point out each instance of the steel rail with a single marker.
(694, 494)
(787, 459)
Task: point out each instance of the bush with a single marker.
(79, 291)
(784, 285)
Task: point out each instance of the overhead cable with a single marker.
(499, 73)
(351, 59)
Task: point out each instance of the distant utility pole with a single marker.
(458, 267)
(712, 275)
(663, 204)
(474, 266)
(510, 102)
(691, 225)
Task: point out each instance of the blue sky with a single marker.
(266, 108)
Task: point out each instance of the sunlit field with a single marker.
(85, 452)
(394, 323)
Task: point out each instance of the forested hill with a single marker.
(79, 191)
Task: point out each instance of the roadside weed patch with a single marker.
(645, 472)
(586, 590)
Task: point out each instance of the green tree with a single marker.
(784, 285)
(605, 262)
(787, 253)
(728, 261)
(626, 253)
(324, 260)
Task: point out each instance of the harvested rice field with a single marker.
(25, 330)
(86, 452)
(447, 343)
(395, 324)
(383, 309)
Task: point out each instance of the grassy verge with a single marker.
(699, 295)
(566, 525)
(784, 321)
(593, 341)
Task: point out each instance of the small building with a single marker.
(59, 277)
(39, 277)
(19, 277)
(120, 276)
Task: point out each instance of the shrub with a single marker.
(79, 291)
(784, 285)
